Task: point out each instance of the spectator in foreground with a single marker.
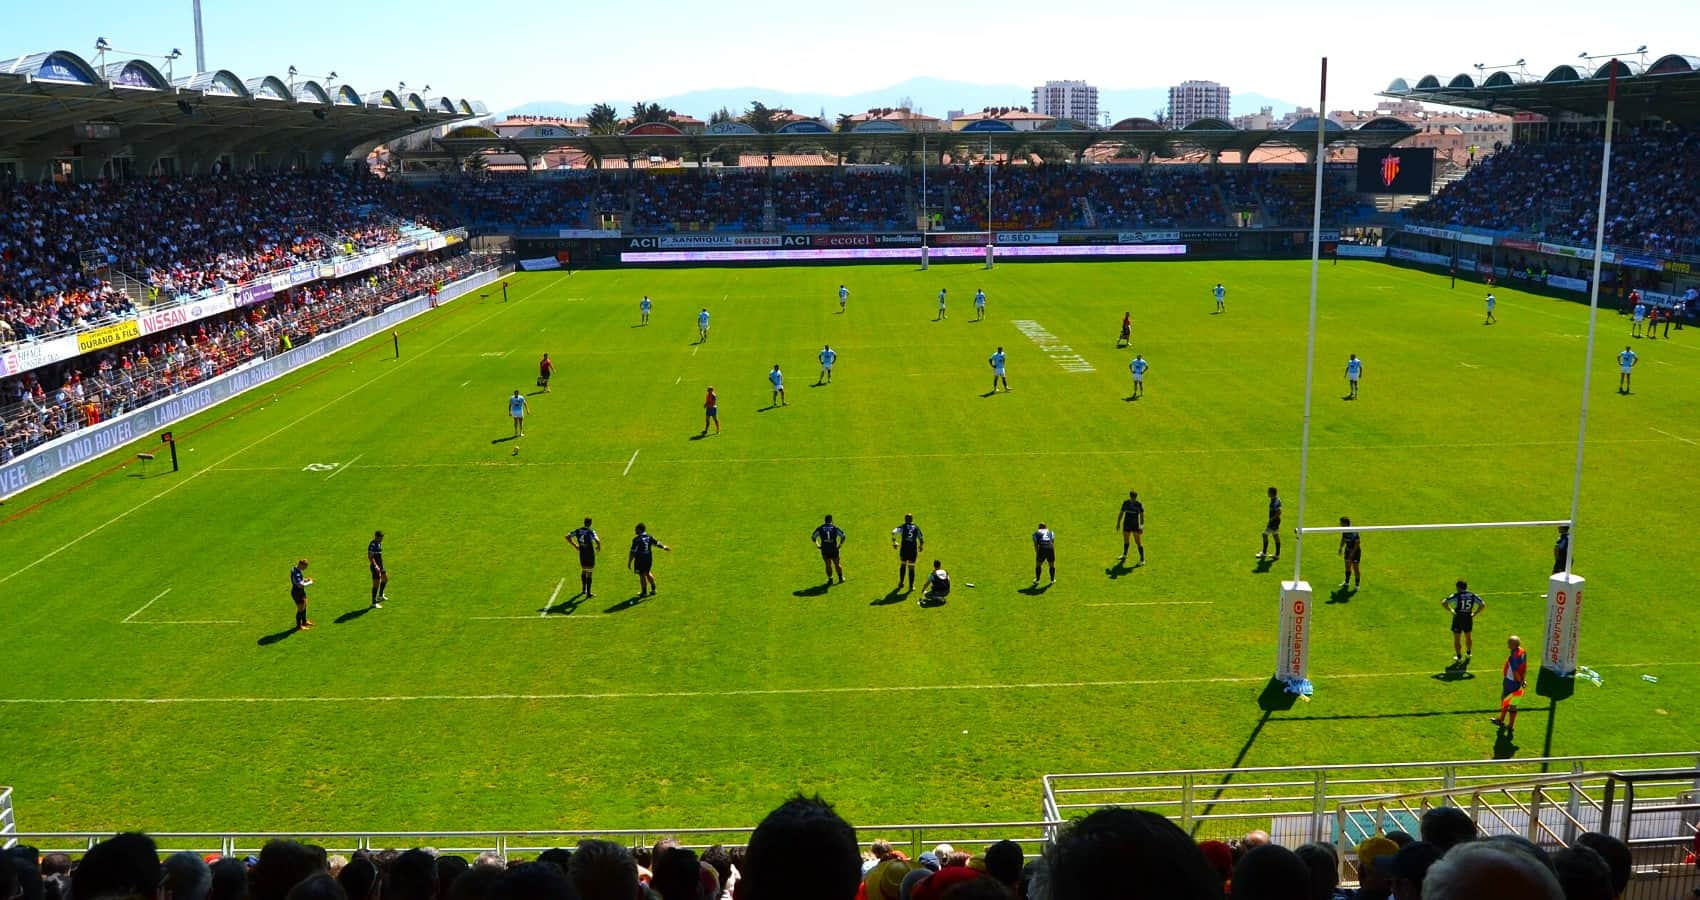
(1583, 874)
(720, 861)
(450, 868)
(534, 881)
(359, 879)
(230, 880)
(1487, 870)
(282, 865)
(1324, 870)
(125, 865)
(186, 877)
(318, 887)
(1447, 826)
(677, 874)
(1271, 872)
(1125, 853)
(603, 870)
(1375, 863)
(802, 849)
(1616, 854)
(1409, 869)
(476, 883)
(413, 876)
(1003, 863)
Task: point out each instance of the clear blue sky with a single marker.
(513, 52)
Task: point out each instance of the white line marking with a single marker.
(1660, 362)
(249, 446)
(679, 379)
(1676, 436)
(1104, 452)
(192, 622)
(1468, 366)
(465, 383)
(540, 618)
(345, 467)
(750, 692)
(695, 347)
(1159, 603)
(629, 462)
(144, 606)
(551, 604)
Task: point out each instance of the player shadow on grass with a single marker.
(1264, 565)
(1503, 745)
(351, 615)
(538, 391)
(1458, 671)
(566, 607)
(1342, 594)
(1036, 590)
(271, 639)
(896, 595)
(991, 393)
(503, 440)
(1121, 568)
(818, 590)
(626, 604)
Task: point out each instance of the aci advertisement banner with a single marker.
(1564, 623)
(1292, 661)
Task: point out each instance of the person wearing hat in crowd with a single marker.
(1375, 860)
(885, 880)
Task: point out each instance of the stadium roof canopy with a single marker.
(1144, 135)
(57, 105)
(1668, 88)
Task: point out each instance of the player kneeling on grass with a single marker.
(380, 575)
(642, 558)
(937, 587)
(298, 585)
(829, 537)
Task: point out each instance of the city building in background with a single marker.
(1075, 100)
(1190, 101)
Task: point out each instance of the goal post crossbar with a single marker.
(1431, 526)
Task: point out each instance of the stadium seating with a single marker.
(44, 404)
(1548, 189)
(181, 236)
(889, 198)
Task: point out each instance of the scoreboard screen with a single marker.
(1396, 170)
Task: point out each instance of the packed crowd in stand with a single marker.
(803, 850)
(1548, 188)
(890, 198)
(177, 235)
(40, 405)
(858, 200)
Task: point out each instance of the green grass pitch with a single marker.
(458, 706)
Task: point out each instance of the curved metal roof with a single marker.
(45, 96)
(1667, 89)
(889, 136)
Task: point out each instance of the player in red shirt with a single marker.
(1511, 690)
(545, 368)
(711, 411)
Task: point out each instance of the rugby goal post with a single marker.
(1558, 640)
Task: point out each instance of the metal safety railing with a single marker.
(916, 838)
(8, 822)
(1296, 804)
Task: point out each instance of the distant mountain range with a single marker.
(933, 96)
